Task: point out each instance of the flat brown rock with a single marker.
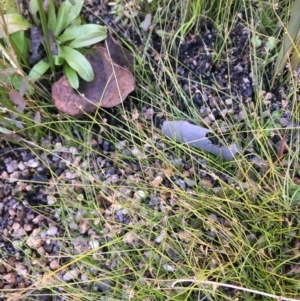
(111, 85)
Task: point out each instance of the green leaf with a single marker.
(58, 60)
(9, 6)
(72, 76)
(61, 15)
(86, 41)
(13, 23)
(21, 42)
(79, 32)
(33, 9)
(78, 62)
(271, 43)
(296, 195)
(76, 22)
(38, 70)
(74, 11)
(51, 16)
(256, 41)
(67, 13)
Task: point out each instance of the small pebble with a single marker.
(207, 120)
(52, 231)
(177, 161)
(55, 158)
(54, 264)
(181, 184)
(28, 227)
(73, 226)
(114, 179)
(160, 238)
(228, 101)
(105, 285)
(14, 177)
(140, 195)
(34, 241)
(70, 275)
(94, 244)
(211, 117)
(120, 145)
(284, 122)
(149, 114)
(73, 150)
(33, 163)
(70, 176)
(169, 268)
(21, 166)
(50, 200)
(224, 112)
(242, 115)
(12, 166)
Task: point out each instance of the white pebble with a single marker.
(52, 230)
(73, 226)
(168, 267)
(70, 175)
(160, 238)
(94, 244)
(21, 166)
(228, 101)
(120, 145)
(28, 188)
(73, 150)
(140, 195)
(50, 200)
(33, 163)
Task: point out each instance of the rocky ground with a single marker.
(31, 221)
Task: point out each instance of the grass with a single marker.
(238, 239)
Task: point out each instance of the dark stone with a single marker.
(48, 247)
(104, 286)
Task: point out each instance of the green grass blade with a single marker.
(289, 40)
(46, 34)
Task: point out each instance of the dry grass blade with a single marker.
(213, 283)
